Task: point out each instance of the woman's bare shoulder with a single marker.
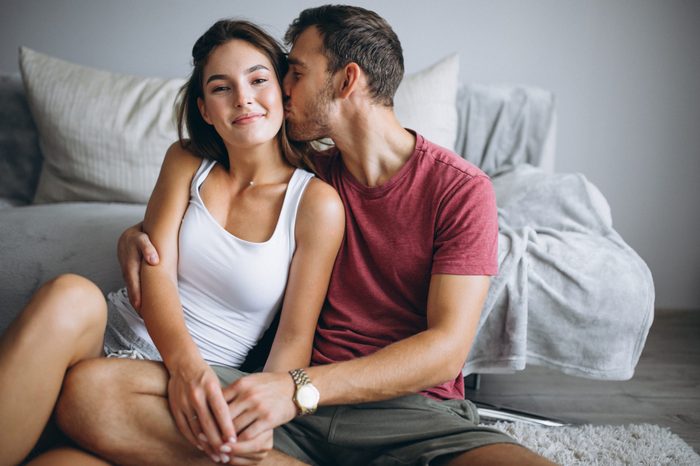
(321, 206)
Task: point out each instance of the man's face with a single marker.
(308, 88)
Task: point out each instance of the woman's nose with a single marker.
(242, 98)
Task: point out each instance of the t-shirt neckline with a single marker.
(376, 191)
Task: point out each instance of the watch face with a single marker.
(307, 396)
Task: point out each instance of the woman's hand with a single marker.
(134, 245)
(200, 411)
(251, 451)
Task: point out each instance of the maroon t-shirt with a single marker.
(436, 215)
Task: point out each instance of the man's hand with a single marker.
(258, 403)
(134, 245)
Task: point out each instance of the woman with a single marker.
(239, 231)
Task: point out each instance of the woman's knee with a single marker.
(69, 302)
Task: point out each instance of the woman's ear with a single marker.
(351, 75)
(203, 110)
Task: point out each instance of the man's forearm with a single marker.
(419, 362)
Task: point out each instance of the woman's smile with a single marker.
(248, 118)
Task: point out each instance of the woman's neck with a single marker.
(258, 165)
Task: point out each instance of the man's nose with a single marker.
(286, 88)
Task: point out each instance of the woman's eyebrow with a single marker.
(252, 69)
(256, 68)
(214, 77)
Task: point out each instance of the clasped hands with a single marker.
(232, 425)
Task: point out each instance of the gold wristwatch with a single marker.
(306, 396)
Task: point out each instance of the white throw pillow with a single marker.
(426, 102)
(103, 135)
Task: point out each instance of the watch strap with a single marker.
(300, 377)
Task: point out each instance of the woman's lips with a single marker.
(247, 118)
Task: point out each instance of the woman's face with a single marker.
(242, 96)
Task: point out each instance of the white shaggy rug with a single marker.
(636, 444)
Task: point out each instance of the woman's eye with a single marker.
(259, 81)
(220, 89)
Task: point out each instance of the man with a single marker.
(402, 307)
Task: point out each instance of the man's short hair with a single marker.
(354, 34)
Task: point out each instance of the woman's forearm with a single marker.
(162, 312)
(287, 355)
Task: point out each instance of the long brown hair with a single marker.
(203, 140)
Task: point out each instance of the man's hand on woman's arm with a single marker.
(134, 245)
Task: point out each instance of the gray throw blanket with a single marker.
(570, 293)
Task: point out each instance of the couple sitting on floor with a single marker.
(378, 264)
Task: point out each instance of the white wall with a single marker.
(626, 74)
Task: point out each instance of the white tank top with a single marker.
(230, 289)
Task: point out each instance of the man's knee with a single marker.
(87, 401)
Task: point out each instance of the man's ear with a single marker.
(203, 110)
(351, 77)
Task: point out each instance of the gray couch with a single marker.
(570, 295)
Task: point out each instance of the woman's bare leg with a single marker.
(118, 408)
(62, 324)
(66, 456)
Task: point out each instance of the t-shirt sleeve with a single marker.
(466, 237)
(322, 162)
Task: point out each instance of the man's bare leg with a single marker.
(499, 454)
(118, 409)
(62, 324)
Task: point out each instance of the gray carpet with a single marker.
(636, 444)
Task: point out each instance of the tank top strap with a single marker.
(199, 176)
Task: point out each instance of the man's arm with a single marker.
(421, 361)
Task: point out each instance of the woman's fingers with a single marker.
(252, 451)
(201, 441)
(220, 412)
(183, 424)
(209, 427)
(190, 409)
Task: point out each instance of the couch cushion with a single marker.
(103, 135)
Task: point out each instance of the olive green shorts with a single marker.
(410, 430)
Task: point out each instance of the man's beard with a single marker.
(315, 117)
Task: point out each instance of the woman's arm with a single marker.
(194, 393)
(319, 231)
(161, 309)
(320, 226)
